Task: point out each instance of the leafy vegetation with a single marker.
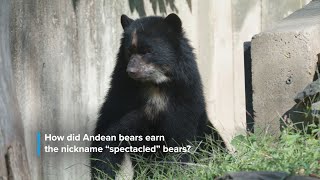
(294, 152)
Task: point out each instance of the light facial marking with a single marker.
(134, 36)
(156, 102)
(160, 77)
(157, 75)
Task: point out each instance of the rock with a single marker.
(307, 109)
(300, 116)
(283, 62)
(315, 110)
(310, 93)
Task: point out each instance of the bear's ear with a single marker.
(125, 21)
(174, 21)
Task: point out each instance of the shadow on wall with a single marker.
(248, 86)
(138, 5)
(74, 4)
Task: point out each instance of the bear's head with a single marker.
(150, 46)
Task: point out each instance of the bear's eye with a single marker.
(145, 51)
(132, 50)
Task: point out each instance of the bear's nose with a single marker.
(132, 72)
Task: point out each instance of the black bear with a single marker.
(155, 90)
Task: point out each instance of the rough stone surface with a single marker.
(306, 111)
(309, 92)
(11, 128)
(316, 106)
(283, 62)
(315, 110)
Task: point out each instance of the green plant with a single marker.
(293, 152)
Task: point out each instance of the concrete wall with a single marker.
(63, 53)
(13, 160)
(284, 62)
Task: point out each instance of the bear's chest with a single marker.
(156, 102)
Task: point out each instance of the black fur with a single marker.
(184, 118)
